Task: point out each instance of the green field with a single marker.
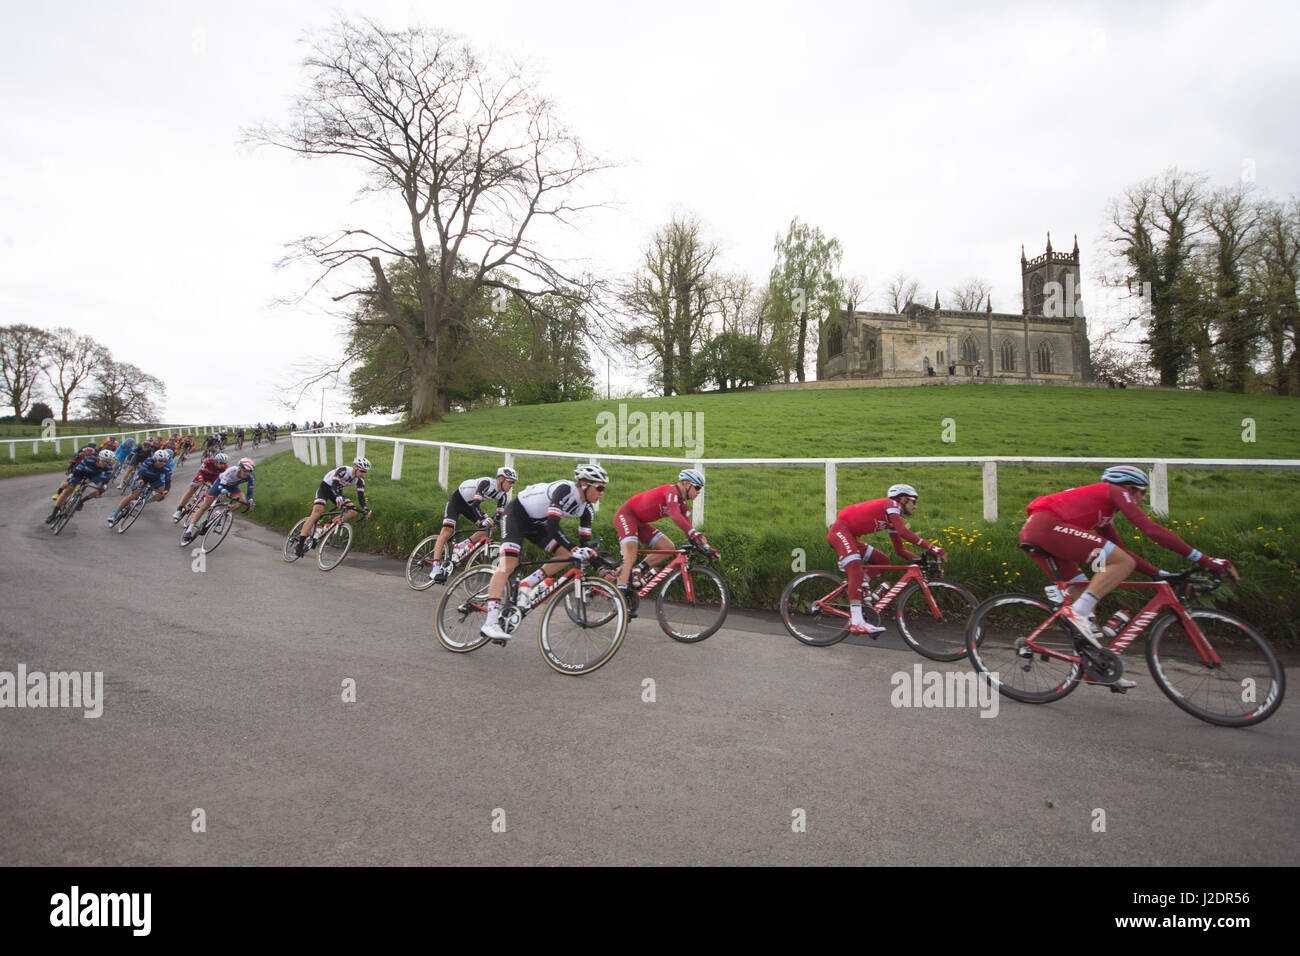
(758, 517)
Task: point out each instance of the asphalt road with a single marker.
(224, 693)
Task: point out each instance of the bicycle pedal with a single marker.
(1118, 690)
(500, 641)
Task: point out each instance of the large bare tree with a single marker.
(124, 393)
(474, 157)
(901, 291)
(72, 359)
(23, 350)
(971, 295)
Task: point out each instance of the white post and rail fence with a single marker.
(57, 440)
(312, 448)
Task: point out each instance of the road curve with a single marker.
(225, 736)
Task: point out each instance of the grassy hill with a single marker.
(759, 516)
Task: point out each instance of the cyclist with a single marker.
(227, 483)
(465, 501)
(330, 492)
(632, 523)
(869, 517)
(239, 436)
(125, 451)
(535, 515)
(209, 471)
(155, 472)
(96, 470)
(1077, 526)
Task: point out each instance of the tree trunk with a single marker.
(803, 340)
(426, 402)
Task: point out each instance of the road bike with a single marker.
(1210, 663)
(419, 566)
(693, 600)
(127, 518)
(582, 627)
(331, 539)
(216, 524)
(190, 506)
(63, 515)
(930, 614)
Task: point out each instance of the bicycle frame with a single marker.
(681, 559)
(1165, 599)
(911, 572)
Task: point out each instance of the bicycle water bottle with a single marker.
(1115, 624)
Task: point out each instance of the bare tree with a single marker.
(23, 351)
(1233, 220)
(123, 393)
(1276, 279)
(857, 291)
(475, 158)
(901, 291)
(73, 358)
(971, 295)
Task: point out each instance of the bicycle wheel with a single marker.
(462, 609)
(334, 547)
(419, 566)
(815, 608)
(1246, 685)
(485, 556)
(692, 618)
(137, 506)
(289, 552)
(581, 646)
(996, 643)
(938, 633)
(217, 529)
(66, 512)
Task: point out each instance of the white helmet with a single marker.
(509, 474)
(362, 463)
(591, 473)
(223, 459)
(896, 490)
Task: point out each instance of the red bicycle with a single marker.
(931, 615)
(692, 603)
(1212, 664)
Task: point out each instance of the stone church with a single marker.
(1047, 341)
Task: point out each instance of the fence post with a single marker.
(338, 452)
(990, 491)
(697, 512)
(832, 493)
(361, 448)
(397, 461)
(1160, 488)
(311, 452)
(444, 466)
(34, 451)
(11, 450)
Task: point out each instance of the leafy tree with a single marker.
(1275, 279)
(805, 288)
(38, 413)
(733, 360)
(671, 298)
(473, 159)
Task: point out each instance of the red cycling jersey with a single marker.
(1093, 507)
(210, 470)
(883, 514)
(636, 514)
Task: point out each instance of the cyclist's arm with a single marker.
(1143, 566)
(1122, 500)
(899, 532)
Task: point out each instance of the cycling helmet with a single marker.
(129, 443)
(691, 475)
(106, 455)
(509, 474)
(89, 447)
(362, 463)
(591, 473)
(247, 464)
(1125, 475)
(223, 459)
(162, 456)
(896, 490)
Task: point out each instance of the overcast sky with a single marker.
(930, 138)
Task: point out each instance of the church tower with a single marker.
(1050, 283)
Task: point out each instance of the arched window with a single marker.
(1036, 296)
(970, 350)
(871, 350)
(1008, 355)
(834, 341)
(1044, 357)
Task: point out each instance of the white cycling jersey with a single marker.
(480, 489)
(344, 476)
(558, 499)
